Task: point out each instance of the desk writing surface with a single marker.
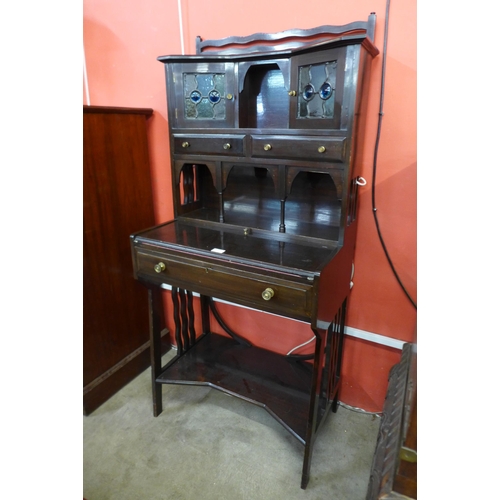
(262, 250)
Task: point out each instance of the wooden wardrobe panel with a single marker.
(117, 200)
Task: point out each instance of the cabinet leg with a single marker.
(319, 358)
(305, 480)
(155, 326)
(325, 382)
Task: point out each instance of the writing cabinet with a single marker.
(264, 136)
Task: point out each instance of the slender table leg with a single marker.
(319, 357)
(326, 381)
(155, 326)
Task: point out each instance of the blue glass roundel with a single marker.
(195, 96)
(214, 96)
(325, 91)
(308, 92)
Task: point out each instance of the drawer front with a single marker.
(284, 297)
(299, 147)
(214, 144)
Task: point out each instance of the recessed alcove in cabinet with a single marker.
(195, 192)
(264, 101)
(251, 198)
(313, 207)
(259, 197)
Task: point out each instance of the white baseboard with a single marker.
(374, 337)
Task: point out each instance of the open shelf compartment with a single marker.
(278, 384)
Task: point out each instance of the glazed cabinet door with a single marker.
(202, 94)
(317, 83)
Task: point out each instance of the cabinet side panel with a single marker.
(117, 202)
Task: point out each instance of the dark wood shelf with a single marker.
(296, 229)
(278, 384)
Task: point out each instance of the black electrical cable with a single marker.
(375, 155)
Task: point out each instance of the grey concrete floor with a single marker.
(209, 446)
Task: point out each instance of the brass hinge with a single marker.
(408, 455)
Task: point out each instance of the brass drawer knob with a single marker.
(229, 97)
(227, 146)
(321, 149)
(159, 267)
(185, 144)
(292, 93)
(268, 147)
(268, 294)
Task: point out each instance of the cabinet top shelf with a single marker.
(114, 110)
(264, 52)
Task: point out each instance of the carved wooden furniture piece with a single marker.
(394, 465)
(264, 136)
(117, 200)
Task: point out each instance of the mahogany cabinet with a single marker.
(117, 200)
(265, 132)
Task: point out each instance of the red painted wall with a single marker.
(123, 38)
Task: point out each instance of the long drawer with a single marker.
(281, 296)
(209, 144)
(297, 147)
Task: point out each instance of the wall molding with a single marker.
(374, 337)
(99, 380)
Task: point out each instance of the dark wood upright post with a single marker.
(155, 327)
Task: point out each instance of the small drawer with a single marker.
(210, 144)
(299, 147)
(258, 291)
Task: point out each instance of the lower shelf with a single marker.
(280, 385)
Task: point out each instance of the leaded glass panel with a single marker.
(204, 96)
(317, 90)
